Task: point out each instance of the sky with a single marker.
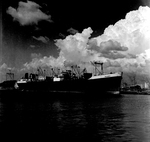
(48, 33)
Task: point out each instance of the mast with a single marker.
(9, 75)
(96, 64)
(75, 69)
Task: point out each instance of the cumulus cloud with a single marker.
(38, 61)
(127, 42)
(132, 32)
(79, 49)
(42, 39)
(74, 47)
(28, 13)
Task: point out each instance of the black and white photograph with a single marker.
(75, 70)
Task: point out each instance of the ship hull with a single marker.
(106, 85)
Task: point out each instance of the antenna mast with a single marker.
(96, 64)
(9, 75)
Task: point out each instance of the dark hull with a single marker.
(8, 85)
(102, 85)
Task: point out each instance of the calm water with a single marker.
(122, 119)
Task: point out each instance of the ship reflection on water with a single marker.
(125, 118)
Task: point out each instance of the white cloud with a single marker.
(75, 47)
(132, 32)
(39, 61)
(28, 13)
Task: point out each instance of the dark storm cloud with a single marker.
(108, 49)
(111, 45)
(28, 13)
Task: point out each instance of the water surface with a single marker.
(120, 119)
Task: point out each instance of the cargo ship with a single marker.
(73, 81)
